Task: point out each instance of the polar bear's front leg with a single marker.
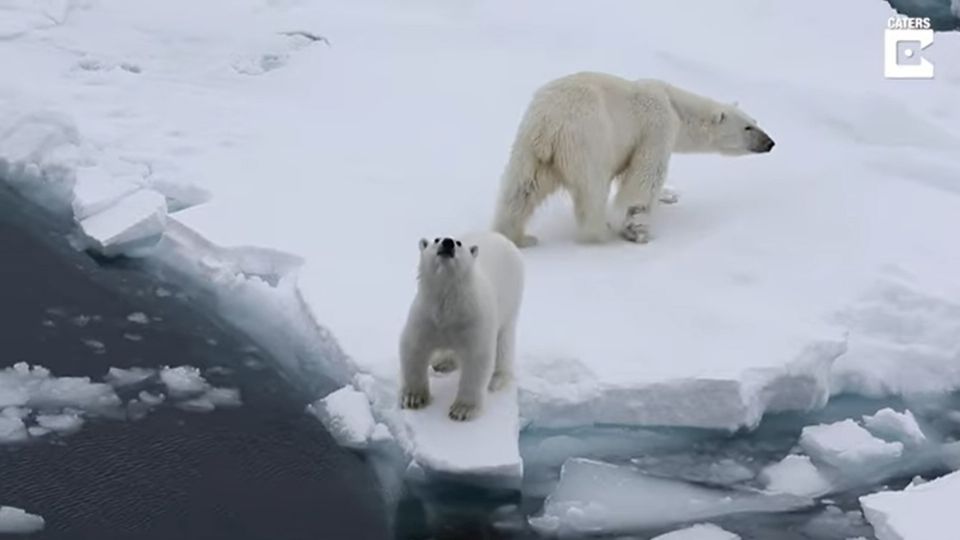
(640, 186)
(503, 366)
(414, 361)
(476, 365)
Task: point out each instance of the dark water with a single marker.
(264, 470)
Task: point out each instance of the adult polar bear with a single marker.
(464, 313)
(583, 131)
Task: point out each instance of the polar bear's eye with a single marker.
(436, 240)
(748, 128)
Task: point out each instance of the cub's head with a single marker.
(445, 258)
(733, 133)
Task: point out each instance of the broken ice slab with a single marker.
(347, 416)
(483, 451)
(923, 512)
(597, 497)
(96, 189)
(848, 446)
(893, 426)
(796, 475)
(132, 223)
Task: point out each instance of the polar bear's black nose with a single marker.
(446, 247)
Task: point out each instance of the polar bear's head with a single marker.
(734, 133)
(446, 258)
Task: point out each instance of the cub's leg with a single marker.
(476, 366)
(415, 352)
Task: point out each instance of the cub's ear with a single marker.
(474, 250)
(719, 117)
(423, 244)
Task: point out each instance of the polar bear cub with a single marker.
(464, 314)
(584, 131)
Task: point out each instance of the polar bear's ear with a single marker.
(474, 250)
(423, 244)
(719, 117)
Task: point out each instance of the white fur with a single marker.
(464, 313)
(583, 131)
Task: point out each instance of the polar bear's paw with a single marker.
(415, 399)
(445, 364)
(669, 196)
(638, 233)
(462, 411)
(499, 380)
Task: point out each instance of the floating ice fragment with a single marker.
(847, 445)
(924, 512)
(119, 377)
(795, 475)
(61, 423)
(346, 415)
(596, 497)
(183, 381)
(17, 521)
(891, 425)
(138, 317)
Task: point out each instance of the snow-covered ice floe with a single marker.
(17, 521)
(777, 281)
(923, 512)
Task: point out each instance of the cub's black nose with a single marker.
(446, 247)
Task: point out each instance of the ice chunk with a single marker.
(346, 415)
(138, 317)
(12, 430)
(17, 521)
(846, 445)
(61, 423)
(223, 397)
(150, 399)
(595, 497)
(183, 381)
(15, 412)
(134, 222)
(796, 475)
(95, 189)
(482, 451)
(924, 512)
(36, 388)
(704, 531)
(891, 425)
(197, 404)
(119, 377)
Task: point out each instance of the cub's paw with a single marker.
(462, 411)
(499, 380)
(414, 399)
(445, 364)
(637, 233)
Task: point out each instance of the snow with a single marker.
(795, 475)
(346, 415)
(595, 497)
(846, 445)
(892, 425)
(18, 521)
(775, 282)
(704, 531)
(134, 222)
(924, 512)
